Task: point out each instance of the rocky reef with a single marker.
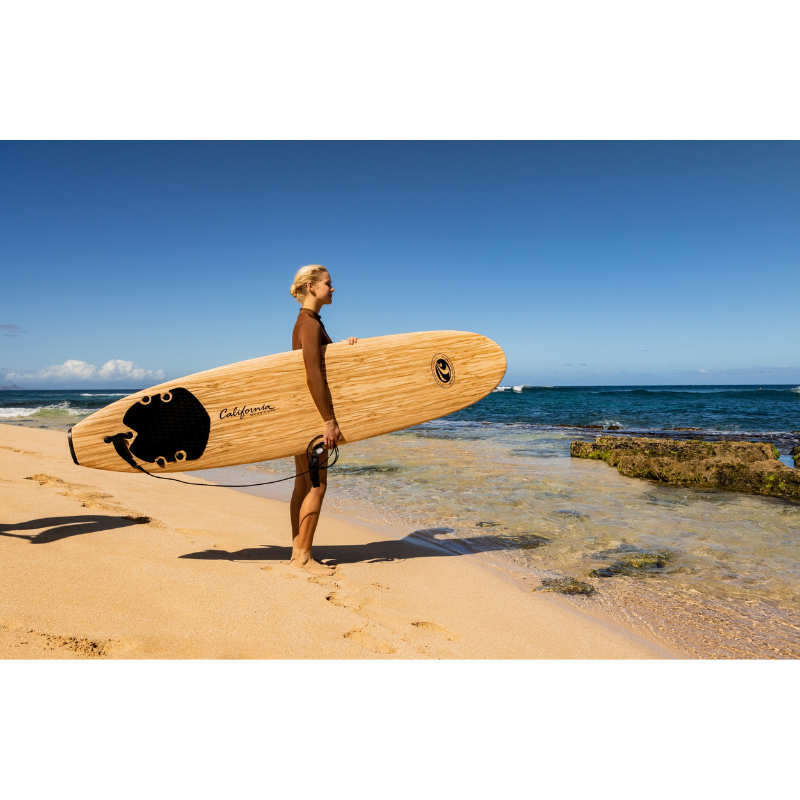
(750, 467)
(638, 562)
(795, 451)
(566, 586)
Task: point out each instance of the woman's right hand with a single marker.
(331, 434)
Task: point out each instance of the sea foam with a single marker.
(63, 409)
(13, 413)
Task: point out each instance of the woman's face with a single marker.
(323, 290)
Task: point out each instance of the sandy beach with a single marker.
(110, 565)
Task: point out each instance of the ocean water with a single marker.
(734, 409)
(712, 574)
(54, 408)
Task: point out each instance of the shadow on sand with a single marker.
(63, 527)
(419, 544)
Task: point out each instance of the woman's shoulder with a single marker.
(307, 319)
(306, 326)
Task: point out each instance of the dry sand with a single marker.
(111, 565)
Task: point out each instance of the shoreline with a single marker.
(110, 565)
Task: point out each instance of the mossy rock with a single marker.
(639, 563)
(751, 467)
(515, 541)
(566, 586)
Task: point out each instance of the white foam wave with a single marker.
(60, 409)
(520, 388)
(13, 413)
(796, 389)
(104, 394)
(64, 405)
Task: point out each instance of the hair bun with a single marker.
(311, 273)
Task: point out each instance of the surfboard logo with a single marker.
(170, 426)
(443, 371)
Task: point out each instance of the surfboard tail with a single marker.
(72, 447)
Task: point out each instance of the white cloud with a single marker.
(114, 370)
(118, 370)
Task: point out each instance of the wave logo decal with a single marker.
(442, 370)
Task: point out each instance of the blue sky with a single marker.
(589, 263)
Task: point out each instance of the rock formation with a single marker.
(731, 466)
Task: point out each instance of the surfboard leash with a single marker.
(313, 453)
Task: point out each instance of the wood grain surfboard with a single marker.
(261, 409)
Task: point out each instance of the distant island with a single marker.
(9, 388)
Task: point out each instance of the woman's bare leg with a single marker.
(302, 484)
(307, 518)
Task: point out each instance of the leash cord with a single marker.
(121, 446)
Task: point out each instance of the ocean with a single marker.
(54, 408)
(773, 410)
(712, 574)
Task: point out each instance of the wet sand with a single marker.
(110, 565)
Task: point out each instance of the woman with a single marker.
(312, 289)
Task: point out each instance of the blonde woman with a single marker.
(312, 288)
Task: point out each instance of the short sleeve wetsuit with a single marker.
(309, 335)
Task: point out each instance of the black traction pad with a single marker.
(165, 428)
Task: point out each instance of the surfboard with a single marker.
(261, 409)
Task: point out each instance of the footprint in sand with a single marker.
(432, 627)
(96, 500)
(48, 480)
(344, 601)
(370, 643)
(323, 580)
(358, 601)
(35, 641)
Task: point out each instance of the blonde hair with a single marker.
(305, 275)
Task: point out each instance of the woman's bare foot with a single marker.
(305, 561)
